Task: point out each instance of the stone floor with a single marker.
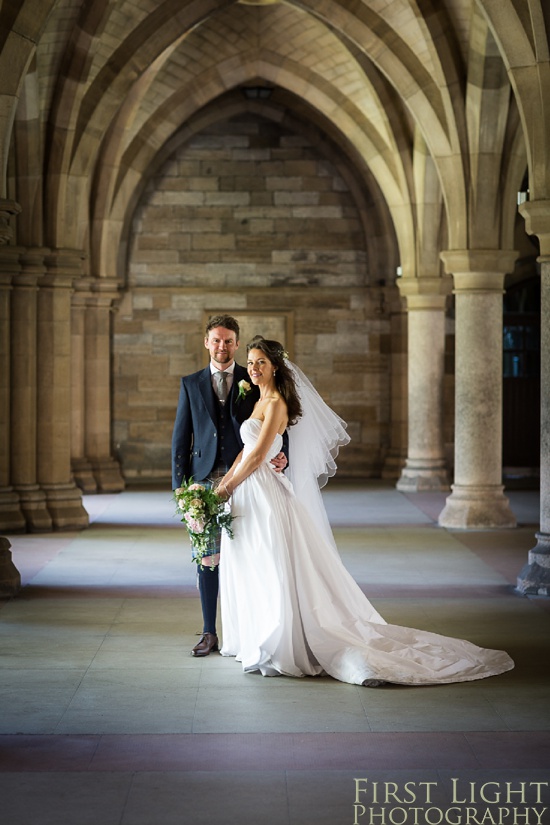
(105, 719)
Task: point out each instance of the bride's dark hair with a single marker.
(284, 380)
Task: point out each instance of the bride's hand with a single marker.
(222, 491)
(279, 462)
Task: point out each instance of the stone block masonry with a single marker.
(256, 221)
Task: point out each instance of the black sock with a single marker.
(208, 589)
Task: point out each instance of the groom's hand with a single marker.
(279, 462)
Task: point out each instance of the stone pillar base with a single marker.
(534, 578)
(12, 519)
(477, 508)
(108, 476)
(421, 476)
(10, 578)
(83, 475)
(64, 502)
(33, 504)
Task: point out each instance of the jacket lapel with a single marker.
(205, 386)
(241, 408)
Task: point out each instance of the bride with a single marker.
(289, 606)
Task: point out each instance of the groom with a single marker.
(212, 405)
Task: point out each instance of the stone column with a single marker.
(81, 467)
(11, 516)
(534, 578)
(425, 467)
(10, 578)
(98, 387)
(24, 392)
(477, 500)
(63, 498)
(397, 453)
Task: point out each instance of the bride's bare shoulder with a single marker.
(278, 403)
(280, 412)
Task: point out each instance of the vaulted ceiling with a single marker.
(429, 99)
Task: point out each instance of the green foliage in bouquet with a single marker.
(203, 513)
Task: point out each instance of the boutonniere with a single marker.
(244, 389)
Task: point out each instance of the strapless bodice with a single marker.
(250, 432)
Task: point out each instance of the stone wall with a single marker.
(253, 220)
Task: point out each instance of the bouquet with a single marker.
(203, 513)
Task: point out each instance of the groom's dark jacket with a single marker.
(195, 448)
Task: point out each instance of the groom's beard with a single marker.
(222, 358)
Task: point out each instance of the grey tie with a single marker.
(221, 383)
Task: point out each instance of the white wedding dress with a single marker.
(289, 606)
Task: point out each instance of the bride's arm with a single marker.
(233, 467)
(275, 415)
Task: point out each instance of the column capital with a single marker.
(477, 270)
(97, 291)
(9, 263)
(32, 267)
(104, 291)
(425, 293)
(537, 222)
(62, 267)
(33, 256)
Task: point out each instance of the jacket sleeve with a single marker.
(284, 448)
(182, 438)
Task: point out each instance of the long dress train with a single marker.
(290, 607)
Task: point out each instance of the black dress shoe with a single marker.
(374, 683)
(208, 642)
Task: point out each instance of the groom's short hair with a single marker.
(226, 321)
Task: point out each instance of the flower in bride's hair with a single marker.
(244, 388)
(283, 354)
(204, 513)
